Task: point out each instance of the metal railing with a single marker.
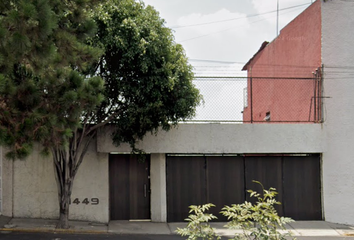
(259, 99)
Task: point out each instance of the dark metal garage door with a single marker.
(195, 180)
(223, 180)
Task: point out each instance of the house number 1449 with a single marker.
(92, 201)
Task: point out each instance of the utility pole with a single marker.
(277, 28)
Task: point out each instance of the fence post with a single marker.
(251, 100)
(321, 93)
(315, 98)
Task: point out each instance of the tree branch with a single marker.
(104, 122)
(83, 152)
(58, 172)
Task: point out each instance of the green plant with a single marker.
(258, 221)
(198, 226)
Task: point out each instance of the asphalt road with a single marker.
(61, 236)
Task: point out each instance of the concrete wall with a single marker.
(158, 187)
(35, 191)
(0, 180)
(7, 186)
(30, 189)
(227, 138)
(338, 59)
(216, 138)
(295, 53)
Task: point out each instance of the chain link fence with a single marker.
(261, 100)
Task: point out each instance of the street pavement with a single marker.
(28, 229)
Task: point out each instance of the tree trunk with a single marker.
(64, 218)
(64, 206)
(64, 174)
(66, 164)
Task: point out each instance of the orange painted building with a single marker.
(283, 85)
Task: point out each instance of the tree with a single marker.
(43, 94)
(60, 99)
(148, 78)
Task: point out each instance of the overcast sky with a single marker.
(219, 37)
(239, 28)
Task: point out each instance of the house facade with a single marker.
(309, 164)
(283, 76)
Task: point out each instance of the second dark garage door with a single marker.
(223, 180)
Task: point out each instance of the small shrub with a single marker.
(198, 226)
(259, 221)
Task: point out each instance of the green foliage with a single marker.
(57, 78)
(258, 221)
(43, 51)
(198, 226)
(68, 68)
(148, 79)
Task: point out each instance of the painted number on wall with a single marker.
(92, 201)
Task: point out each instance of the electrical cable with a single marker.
(225, 30)
(233, 19)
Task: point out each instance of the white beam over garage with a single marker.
(227, 138)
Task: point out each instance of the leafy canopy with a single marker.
(147, 76)
(43, 49)
(67, 69)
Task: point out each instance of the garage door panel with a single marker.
(302, 188)
(185, 185)
(225, 182)
(268, 171)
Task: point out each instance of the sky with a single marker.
(219, 37)
(225, 30)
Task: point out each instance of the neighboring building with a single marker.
(282, 86)
(311, 165)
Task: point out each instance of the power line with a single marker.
(225, 30)
(233, 19)
(215, 61)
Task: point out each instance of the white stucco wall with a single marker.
(338, 60)
(30, 188)
(35, 191)
(7, 186)
(158, 187)
(0, 180)
(227, 138)
(34, 187)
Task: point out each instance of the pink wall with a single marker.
(295, 53)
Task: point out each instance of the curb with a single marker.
(38, 230)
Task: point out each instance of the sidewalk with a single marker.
(300, 228)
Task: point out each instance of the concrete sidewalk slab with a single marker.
(313, 228)
(49, 225)
(33, 224)
(4, 221)
(129, 227)
(81, 226)
(173, 226)
(345, 230)
(219, 227)
(298, 229)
